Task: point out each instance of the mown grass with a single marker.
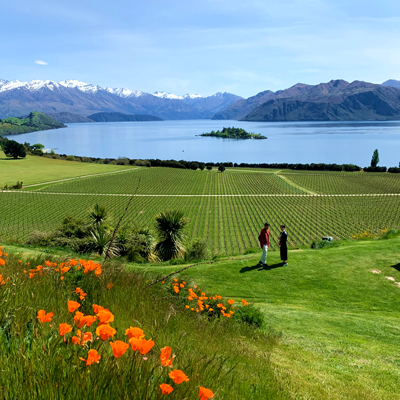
(229, 358)
(340, 321)
(32, 170)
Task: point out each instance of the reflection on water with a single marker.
(293, 142)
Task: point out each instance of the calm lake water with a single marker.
(292, 142)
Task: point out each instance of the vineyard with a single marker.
(169, 181)
(346, 183)
(231, 224)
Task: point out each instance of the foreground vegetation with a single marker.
(74, 349)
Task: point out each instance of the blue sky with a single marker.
(200, 46)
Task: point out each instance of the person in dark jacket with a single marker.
(283, 245)
(264, 243)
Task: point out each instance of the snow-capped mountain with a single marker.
(73, 96)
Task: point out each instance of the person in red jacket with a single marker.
(264, 243)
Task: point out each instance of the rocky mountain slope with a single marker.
(336, 100)
(76, 97)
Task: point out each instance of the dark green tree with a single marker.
(14, 149)
(209, 167)
(375, 159)
(221, 168)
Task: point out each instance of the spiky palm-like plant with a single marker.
(101, 239)
(98, 215)
(170, 226)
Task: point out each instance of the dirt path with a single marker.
(291, 183)
(79, 177)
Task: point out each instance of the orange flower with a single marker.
(175, 280)
(73, 305)
(110, 285)
(205, 394)
(2, 280)
(43, 317)
(105, 331)
(178, 376)
(97, 308)
(93, 357)
(64, 329)
(89, 319)
(176, 289)
(87, 337)
(220, 305)
(165, 388)
(134, 333)
(146, 346)
(73, 262)
(20, 261)
(187, 306)
(165, 357)
(244, 302)
(78, 319)
(119, 348)
(105, 317)
(231, 301)
(135, 343)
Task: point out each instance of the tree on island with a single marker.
(14, 149)
(221, 168)
(375, 159)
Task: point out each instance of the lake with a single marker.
(291, 142)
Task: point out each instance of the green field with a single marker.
(32, 170)
(340, 321)
(226, 208)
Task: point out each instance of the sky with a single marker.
(200, 46)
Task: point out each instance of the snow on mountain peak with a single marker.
(192, 96)
(166, 95)
(81, 86)
(124, 92)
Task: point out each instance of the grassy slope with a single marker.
(32, 170)
(340, 321)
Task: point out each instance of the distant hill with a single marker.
(68, 118)
(392, 83)
(35, 121)
(118, 117)
(336, 100)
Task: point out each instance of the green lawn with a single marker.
(340, 322)
(33, 170)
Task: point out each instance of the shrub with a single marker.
(123, 161)
(250, 315)
(209, 167)
(322, 244)
(197, 250)
(70, 158)
(142, 163)
(40, 238)
(221, 168)
(14, 149)
(86, 159)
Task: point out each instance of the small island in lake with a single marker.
(234, 133)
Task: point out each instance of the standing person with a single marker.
(264, 243)
(283, 245)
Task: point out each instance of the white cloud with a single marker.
(40, 62)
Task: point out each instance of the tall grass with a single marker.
(230, 358)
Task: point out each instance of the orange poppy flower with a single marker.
(2, 280)
(89, 320)
(64, 329)
(73, 262)
(43, 317)
(110, 285)
(105, 331)
(81, 340)
(78, 319)
(20, 261)
(97, 308)
(187, 306)
(93, 357)
(73, 305)
(205, 394)
(119, 348)
(220, 305)
(231, 301)
(165, 357)
(105, 317)
(176, 289)
(146, 346)
(134, 333)
(178, 376)
(244, 302)
(135, 343)
(166, 389)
